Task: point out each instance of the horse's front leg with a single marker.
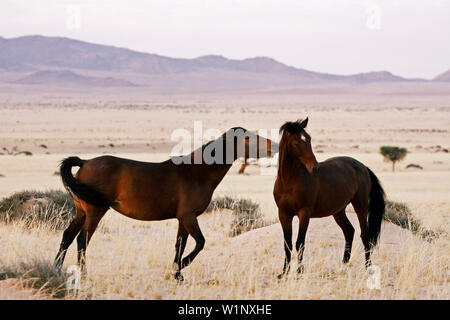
(180, 245)
(303, 217)
(286, 224)
(190, 223)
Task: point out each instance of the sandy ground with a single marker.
(130, 259)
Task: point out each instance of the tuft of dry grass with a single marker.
(247, 213)
(57, 213)
(399, 213)
(38, 274)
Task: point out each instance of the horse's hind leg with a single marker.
(180, 244)
(190, 223)
(69, 235)
(361, 209)
(93, 216)
(343, 222)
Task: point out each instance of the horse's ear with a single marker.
(304, 123)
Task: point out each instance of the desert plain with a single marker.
(129, 259)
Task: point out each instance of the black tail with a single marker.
(81, 190)
(376, 208)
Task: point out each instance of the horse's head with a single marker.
(248, 144)
(257, 146)
(296, 142)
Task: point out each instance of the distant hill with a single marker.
(57, 60)
(375, 76)
(443, 76)
(39, 52)
(66, 77)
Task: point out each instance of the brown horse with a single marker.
(180, 187)
(310, 189)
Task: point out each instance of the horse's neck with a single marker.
(212, 174)
(215, 173)
(290, 168)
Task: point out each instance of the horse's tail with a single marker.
(81, 190)
(376, 208)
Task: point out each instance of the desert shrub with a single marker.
(413, 165)
(399, 213)
(56, 213)
(247, 213)
(37, 274)
(393, 154)
(25, 153)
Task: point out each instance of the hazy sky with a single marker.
(410, 38)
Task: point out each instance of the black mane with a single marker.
(292, 126)
(238, 128)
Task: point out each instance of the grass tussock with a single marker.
(247, 213)
(399, 213)
(37, 274)
(53, 208)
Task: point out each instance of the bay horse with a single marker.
(309, 189)
(180, 187)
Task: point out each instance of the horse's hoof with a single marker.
(179, 277)
(300, 270)
(281, 276)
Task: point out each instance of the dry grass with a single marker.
(247, 214)
(38, 274)
(57, 213)
(129, 259)
(132, 260)
(400, 214)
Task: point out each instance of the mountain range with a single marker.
(57, 60)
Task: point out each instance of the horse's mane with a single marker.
(236, 128)
(231, 130)
(292, 126)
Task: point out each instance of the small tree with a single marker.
(393, 154)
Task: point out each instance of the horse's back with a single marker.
(109, 170)
(344, 160)
(108, 160)
(341, 179)
(344, 168)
